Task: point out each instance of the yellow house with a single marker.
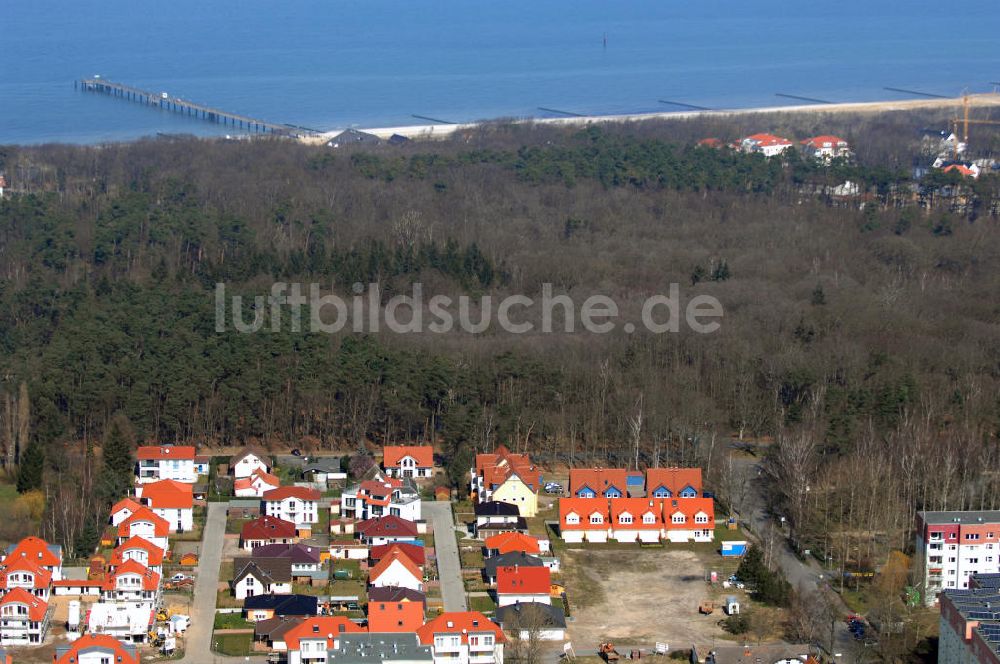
(513, 490)
(507, 477)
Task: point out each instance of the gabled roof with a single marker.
(767, 140)
(321, 627)
(283, 605)
(582, 507)
(274, 629)
(825, 140)
(267, 528)
(598, 480)
(43, 553)
(396, 594)
(150, 579)
(168, 494)
(496, 508)
(497, 468)
(513, 541)
(673, 479)
(118, 652)
(297, 553)
(165, 452)
(461, 623)
(395, 616)
(154, 553)
(414, 552)
(300, 492)
(250, 451)
(387, 562)
(386, 526)
(531, 614)
(257, 477)
(125, 504)
(637, 508)
(515, 580)
(161, 528)
(491, 565)
(689, 507)
(423, 455)
(42, 576)
(36, 605)
(265, 570)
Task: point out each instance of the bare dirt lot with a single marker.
(636, 597)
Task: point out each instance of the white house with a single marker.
(374, 498)
(263, 576)
(768, 145)
(132, 582)
(142, 551)
(396, 570)
(636, 519)
(96, 649)
(546, 621)
(41, 553)
(312, 640)
(522, 585)
(147, 525)
(165, 462)
(24, 618)
(25, 574)
(123, 509)
(826, 147)
(256, 484)
(463, 637)
(294, 504)
(171, 500)
(249, 461)
(584, 519)
(408, 461)
(126, 621)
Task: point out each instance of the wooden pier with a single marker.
(178, 105)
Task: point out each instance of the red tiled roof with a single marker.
(964, 170)
(513, 541)
(386, 562)
(386, 526)
(300, 492)
(168, 494)
(460, 623)
(637, 508)
(153, 452)
(160, 526)
(257, 475)
(150, 579)
(328, 627)
(125, 503)
(88, 642)
(37, 549)
(395, 616)
(496, 468)
(689, 507)
(768, 139)
(43, 577)
(583, 508)
(413, 551)
(36, 605)
(710, 142)
(422, 454)
(154, 553)
(598, 480)
(267, 527)
(673, 479)
(521, 580)
(820, 141)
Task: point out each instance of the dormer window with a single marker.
(572, 518)
(649, 517)
(625, 518)
(596, 518)
(677, 518)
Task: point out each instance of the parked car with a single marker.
(180, 576)
(553, 487)
(296, 452)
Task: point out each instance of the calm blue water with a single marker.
(331, 63)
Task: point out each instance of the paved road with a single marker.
(448, 561)
(198, 640)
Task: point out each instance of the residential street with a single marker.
(448, 561)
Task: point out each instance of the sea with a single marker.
(329, 64)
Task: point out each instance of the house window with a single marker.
(596, 518)
(662, 492)
(625, 518)
(572, 519)
(649, 517)
(677, 518)
(700, 518)
(972, 536)
(612, 493)
(488, 640)
(936, 535)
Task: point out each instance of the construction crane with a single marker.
(965, 121)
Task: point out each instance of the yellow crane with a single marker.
(965, 121)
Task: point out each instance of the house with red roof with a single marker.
(313, 638)
(140, 550)
(584, 519)
(131, 582)
(711, 142)
(24, 618)
(24, 573)
(248, 462)
(826, 147)
(96, 649)
(256, 484)
(507, 477)
(600, 482)
(145, 524)
(45, 555)
(388, 617)
(636, 519)
(690, 520)
(381, 497)
(768, 145)
(513, 542)
(415, 461)
(295, 504)
(123, 509)
(414, 552)
(463, 636)
(396, 570)
(165, 462)
(965, 170)
(386, 530)
(522, 585)
(171, 500)
(673, 482)
(267, 530)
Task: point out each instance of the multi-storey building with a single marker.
(408, 461)
(637, 519)
(952, 546)
(466, 637)
(96, 649)
(314, 638)
(24, 618)
(171, 500)
(374, 498)
(508, 478)
(165, 462)
(295, 504)
(969, 631)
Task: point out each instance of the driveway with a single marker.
(448, 562)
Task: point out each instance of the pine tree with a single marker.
(721, 271)
(29, 473)
(116, 473)
(818, 296)
(88, 538)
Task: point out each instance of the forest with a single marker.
(860, 334)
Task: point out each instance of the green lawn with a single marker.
(233, 645)
(224, 600)
(482, 604)
(471, 558)
(231, 621)
(234, 526)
